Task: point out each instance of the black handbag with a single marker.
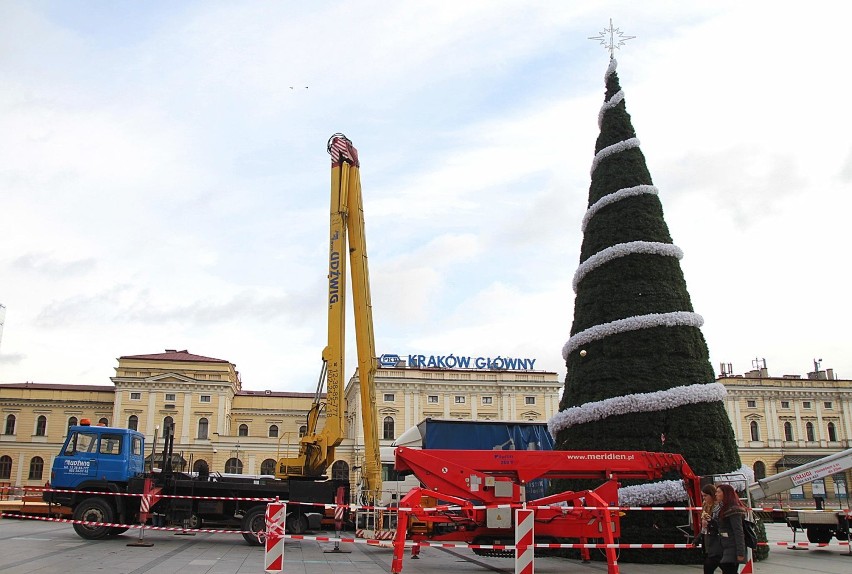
(750, 533)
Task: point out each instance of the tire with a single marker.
(819, 534)
(94, 510)
(117, 531)
(296, 523)
(254, 521)
(194, 522)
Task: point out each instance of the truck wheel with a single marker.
(296, 523)
(93, 510)
(117, 531)
(254, 521)
(820, 534)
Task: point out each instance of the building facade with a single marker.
(783, 422)
(240, 431)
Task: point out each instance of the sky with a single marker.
(164, 182)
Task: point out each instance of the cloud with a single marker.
(43, 263)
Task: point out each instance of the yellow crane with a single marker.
(316, 449)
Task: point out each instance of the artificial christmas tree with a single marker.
(639, 376)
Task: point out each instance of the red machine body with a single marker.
(470, 495)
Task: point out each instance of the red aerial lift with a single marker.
(476, 491)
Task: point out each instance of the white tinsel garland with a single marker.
(613, 149)
(609, 104)
(610, 69)
(637, 403)
(657, 493)
(613, 197)
(673, 319)
(621, 250)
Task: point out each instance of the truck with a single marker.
(456, 434)
(820, 525)
(99, 474)
(98, 467)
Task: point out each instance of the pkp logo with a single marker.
(389, 360)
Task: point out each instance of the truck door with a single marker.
(78, 461)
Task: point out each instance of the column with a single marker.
(152, 414)
(187, 418)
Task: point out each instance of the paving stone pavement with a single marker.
(33, 547)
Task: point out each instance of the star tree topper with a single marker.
(612, 39)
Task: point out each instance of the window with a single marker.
(41, 426)
(10, 426)
(170, 397)
(388, 397)
(806, 404)
(136, 445)
(785, 404)
(387, 429)
(204, 398)
(788, 431)
(432, 399)
(200, 466)
(243, 430)
(72, 421)
(303, 430)
(529, 400)
(267, 466)
(234, 466)
(36, 468)
(832, 432)
(459, 399)
(759, 470)
(110, 444)
(5, 467)
(133, 422)
(273, 431)
(751, 404)
(168, 423)
(203, 428)
(828, 405)
(340, 470)
(135, 396)
(755, 430)
(809, 431)
(487, 400)
(103, 422)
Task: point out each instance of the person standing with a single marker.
(731, 549)
(710, 510)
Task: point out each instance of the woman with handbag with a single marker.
(726, 548)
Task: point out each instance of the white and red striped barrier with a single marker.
(276, 514)
(524, 541)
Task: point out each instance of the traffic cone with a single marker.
(749, 567)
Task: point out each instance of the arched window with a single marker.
(788, 431)
(234, 466)
(72, 421)
(5, 467)
(243, 430)
(36, 468)
(203, 426)
(200, 464)
(832, 432)
(273, 431)
(41, 426)
(267, 466)
(133, 422)
(103, 421)
(10, 426)
(340, 470)
(809, 430)
(303, 430)
(759, 470)
(387, 429)
(168, 423)
(755, 430)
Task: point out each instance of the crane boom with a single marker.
(316, 450)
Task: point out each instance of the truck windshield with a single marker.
(81, 442)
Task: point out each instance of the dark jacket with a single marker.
(731, 536)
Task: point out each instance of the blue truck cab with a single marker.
(98, 455)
